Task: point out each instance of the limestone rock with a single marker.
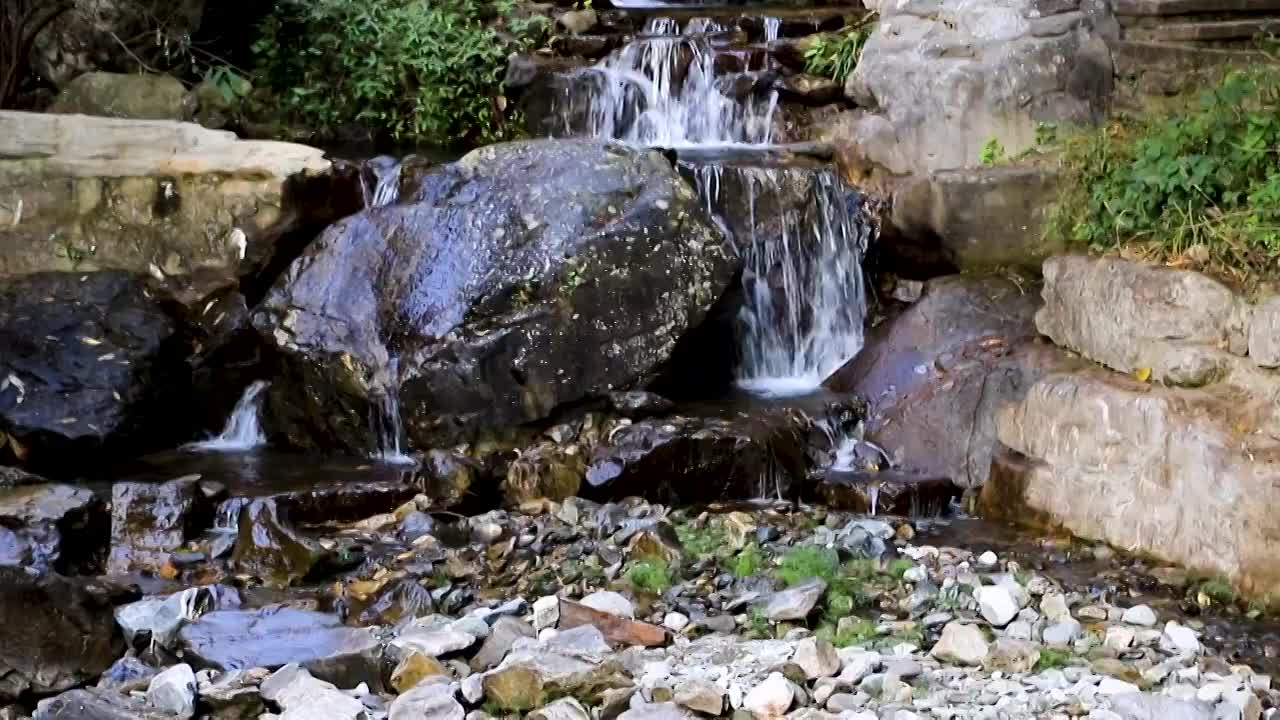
(150, 521)
(771, 698)
(97, 704)
(610, 602)
(929, 63)
(429, 701)
(795, 603)
(302, 696)
(503, 634)
(817, 658)
(700, 696)
(562, 709)
(35, 519)
(1014, 656)
(996, 604)
(1062, 633)
(174, 691)
(961, 644)
(1140, 615)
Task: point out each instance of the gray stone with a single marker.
(98, 704)
(34, 516)
(1140, 615)
(303, 697)
(546, 612)
(1264, 333)
(700, 696)
(927, 64)
(578, 21)
(996, 604)
(501, 637)
(655, 711)
(817, 658)
(428, 701)
(159, 619)
(795, 603)
(961, 644)
(562, 709)
(771, 698)
(1180, 639)
(1014, 656)
(1146, 706)
(610, 602)
(174, 691)
(1062, 633)
(1054, 607)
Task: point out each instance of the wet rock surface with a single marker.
(45, 526)
(493, 280)
(87, 361)
(149, 522)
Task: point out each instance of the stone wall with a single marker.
(1174, 450)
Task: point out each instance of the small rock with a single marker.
(615, 628)
(514, 689)
(578, 21)
(1054, 607)
(302, 696)
(428, 701)
(654, 711)
(795, 603)
(413, 668)
(1179, 639)
(562, 709)
(174, 690)
(772, 697)
(988, 559)
(700, 696)
(610, 602)
(1014, 656)
(1140, 615)
(1118, 638)
(546, 612)
(961, 644)
(1063, 633)
(505, 631)
(675, 622)
(817, 658)
(996, 604)
(1112, 686)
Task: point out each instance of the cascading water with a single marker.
(380, 181)
(802, 272)
(243, 430)
(802, 251)
(662, 89)
(384, 420)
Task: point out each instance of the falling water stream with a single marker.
(243, 430)
(802, 250)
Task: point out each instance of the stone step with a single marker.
(1166, 8)
(1135, 58)
(1205, 31)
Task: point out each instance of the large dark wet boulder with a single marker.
(38, 519)
(936, 374)
(88, 361)
(522, 278)
(149, 521)
(55, 632)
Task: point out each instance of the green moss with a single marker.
(860, 633)
(703, 542)
(651, 575)
(1051, 658)
(807, 562)
(748, 561)
(899, 567)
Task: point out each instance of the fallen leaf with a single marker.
(1142, 374)
(90, 341)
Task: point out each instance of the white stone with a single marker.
(610, 602)
(1244, 704)
(174, 691)
(996, 604)
(700, 696)
(1140, 615)
(1063, 633)
(546, 612)
(988, 559)
(961, 644)
(1054, 607)
(1112, 686)
(1119, 637)
(817, 658)
(795, 603)
(771, 698)
(562, 709)
(428, 701)
(675, 622)
(1179, 639)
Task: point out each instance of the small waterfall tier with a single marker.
(690, 85)
(243, 430)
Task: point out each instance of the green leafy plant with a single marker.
(992, 152)
(1206, 178)
(748, 561)
(651, 575)
(231, 84)
(424, 70)
(806, 562)
(1051, 658)
(835, 55)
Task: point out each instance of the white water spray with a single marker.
(380, 181)
(243, 430)
(384, 420)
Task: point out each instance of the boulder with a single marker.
(127, 96)
(35, 519)
(961, 644)
(944, 77)
(55, 633)
(155, 197)
(506, 288)
(268, 548)
(973, 219)
(89, 364)
(98, 704)
(935, 375)
(274, 636)
(150, 521)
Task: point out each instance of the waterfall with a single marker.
(243, 430)
(662, 89)
(384, 420)
(804, 307)
(380, 181)
(798, 229)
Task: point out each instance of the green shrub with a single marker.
(1208, 177)
(421, 70)
(992, 152)
(748, 561)
(835, 55)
